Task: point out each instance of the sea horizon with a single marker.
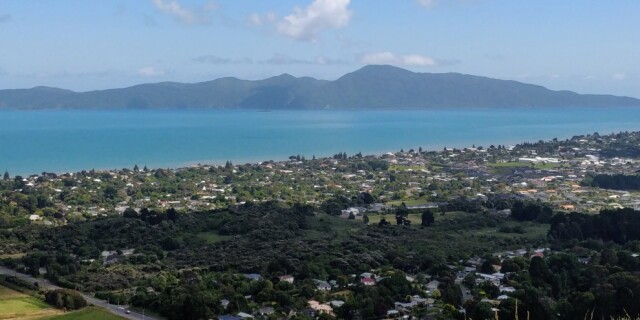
(74, 140)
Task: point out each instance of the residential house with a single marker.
(368, 281)
(287, 278)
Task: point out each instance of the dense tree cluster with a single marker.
(619, 226)
(65, 299)
(593, 268)
(616, 181)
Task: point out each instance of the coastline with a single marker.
(72, 141)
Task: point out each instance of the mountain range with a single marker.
(371, 87)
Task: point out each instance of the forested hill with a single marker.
(373, 87)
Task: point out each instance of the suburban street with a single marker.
(43, 283)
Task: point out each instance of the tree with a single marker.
(402, 210)
(365, 219)
(172, 214)
(487, 267)
(110, 192)
(366, 198)
(135, 168)
(482, 311)
(130, 213)
(65, 299)
(18, 183)
(427, 218)
(6, 176)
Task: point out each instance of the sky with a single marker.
(587, 46)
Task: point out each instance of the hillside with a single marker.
(371, 87)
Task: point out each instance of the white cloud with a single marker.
(276, 59)
(212, 59)
(282, 59)
(306, 24)
(183, 14)
(395, 59)
(418, 60)
(426, 3)
(255, 19)
(619, 76)
(150, 72)
(324, 61)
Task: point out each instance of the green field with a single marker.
(211, 237)
(470, 232)
(504, 167)
(16, 305)
(416, 219)
(411, 202)
(89, 313)
(396, 167)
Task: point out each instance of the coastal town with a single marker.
(469, 192)
(553, 172)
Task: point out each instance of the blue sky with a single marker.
(586, 46)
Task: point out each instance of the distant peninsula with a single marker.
(371, 87)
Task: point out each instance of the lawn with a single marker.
(12, 256)
(16, 305)
(415, 218)
(533, 231)
(501, 166)
(465, 233)
(410, 203)
(88, 313)
(211, 237)
(6, 293)
(396, 167)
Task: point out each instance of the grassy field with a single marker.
(504, 167)
(212, 237)
(89, 313)
(16, 305)
(470, 232)
(12, 256)
(416, 219)
(396, 167)
(412, 202)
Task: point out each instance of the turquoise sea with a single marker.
(71, 140)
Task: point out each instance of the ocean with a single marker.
(32, 142)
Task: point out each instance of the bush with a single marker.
(65, 299)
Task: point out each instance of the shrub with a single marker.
(65, 299)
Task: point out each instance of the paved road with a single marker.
(43, 283)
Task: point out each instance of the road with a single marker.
(45, 284)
